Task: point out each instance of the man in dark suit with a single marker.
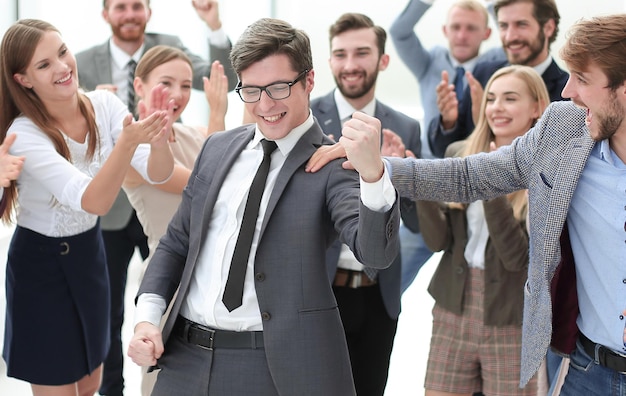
(284, 334)
(527, 28)
(369, 304)
(106, 66)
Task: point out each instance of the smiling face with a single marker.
(51, 73)
(605, 107)
(523, 39)
(465, 31)
(510, 108)
(176, 75)
(355, 62)
(128, 19)
(276, 118)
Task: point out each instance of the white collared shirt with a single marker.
(119, 68)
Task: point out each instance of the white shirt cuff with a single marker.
(150, 308)
(380, 195)
(218, 38)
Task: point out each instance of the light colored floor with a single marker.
(408, 360)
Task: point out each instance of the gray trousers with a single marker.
(190, 370)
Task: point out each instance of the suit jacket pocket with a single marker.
(545, 180)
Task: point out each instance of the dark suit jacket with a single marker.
(554, 77)
(94, 67)
(325, 110)
(303, 334)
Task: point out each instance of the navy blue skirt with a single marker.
(57, 316)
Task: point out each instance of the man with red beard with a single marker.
(369, 303)
(527, 28)
(107, 66)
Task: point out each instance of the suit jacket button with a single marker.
(259, 277)
(459, 270)
(265, 316)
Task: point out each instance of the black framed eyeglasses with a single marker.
(276, 91)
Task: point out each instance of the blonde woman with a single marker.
(478, 285)
(156, 204)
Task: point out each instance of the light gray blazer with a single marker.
(303, 334)
(94, 67)
(548, 161)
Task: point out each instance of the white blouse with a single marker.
(49, 187)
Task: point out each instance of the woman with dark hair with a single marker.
(77, 148)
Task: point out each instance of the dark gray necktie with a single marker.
(459, 83)
(233, 292)
(131, 88)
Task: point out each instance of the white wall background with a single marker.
(82, 26)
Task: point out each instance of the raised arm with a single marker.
(407, 43)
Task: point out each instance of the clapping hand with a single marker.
(10, 165)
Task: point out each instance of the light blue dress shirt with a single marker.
(597, 227)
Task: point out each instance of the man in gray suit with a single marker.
(369, 303)
(284, 335)
(106, 66)
(573, 163)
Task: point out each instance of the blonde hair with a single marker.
(471, 5)
(480, 139)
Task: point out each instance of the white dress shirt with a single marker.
(50, 188)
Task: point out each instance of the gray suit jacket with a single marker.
(548, 160)
(304, 339)
(94, 67)
(325, 110)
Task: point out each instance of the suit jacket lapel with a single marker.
(328, 116)
(221, 167)
(552, 77)
(149, 42)
(299, 155)
(102, 64)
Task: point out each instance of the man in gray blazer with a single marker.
(285, 334)
(105, 66)
(369, 307)
(573, 164)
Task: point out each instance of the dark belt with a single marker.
(605, 356)
(352, 279)
(205, 337)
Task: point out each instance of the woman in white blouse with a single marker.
(76, 149)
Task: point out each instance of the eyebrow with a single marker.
(46, 59)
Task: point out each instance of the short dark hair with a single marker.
(543, 11)
(354, 21)
(269, 36)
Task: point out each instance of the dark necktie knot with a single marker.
(268, 146)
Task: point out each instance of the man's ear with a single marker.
(549, 28)
(105, 15)
(22, 80)
(383, 62)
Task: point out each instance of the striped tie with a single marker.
(131, 88)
